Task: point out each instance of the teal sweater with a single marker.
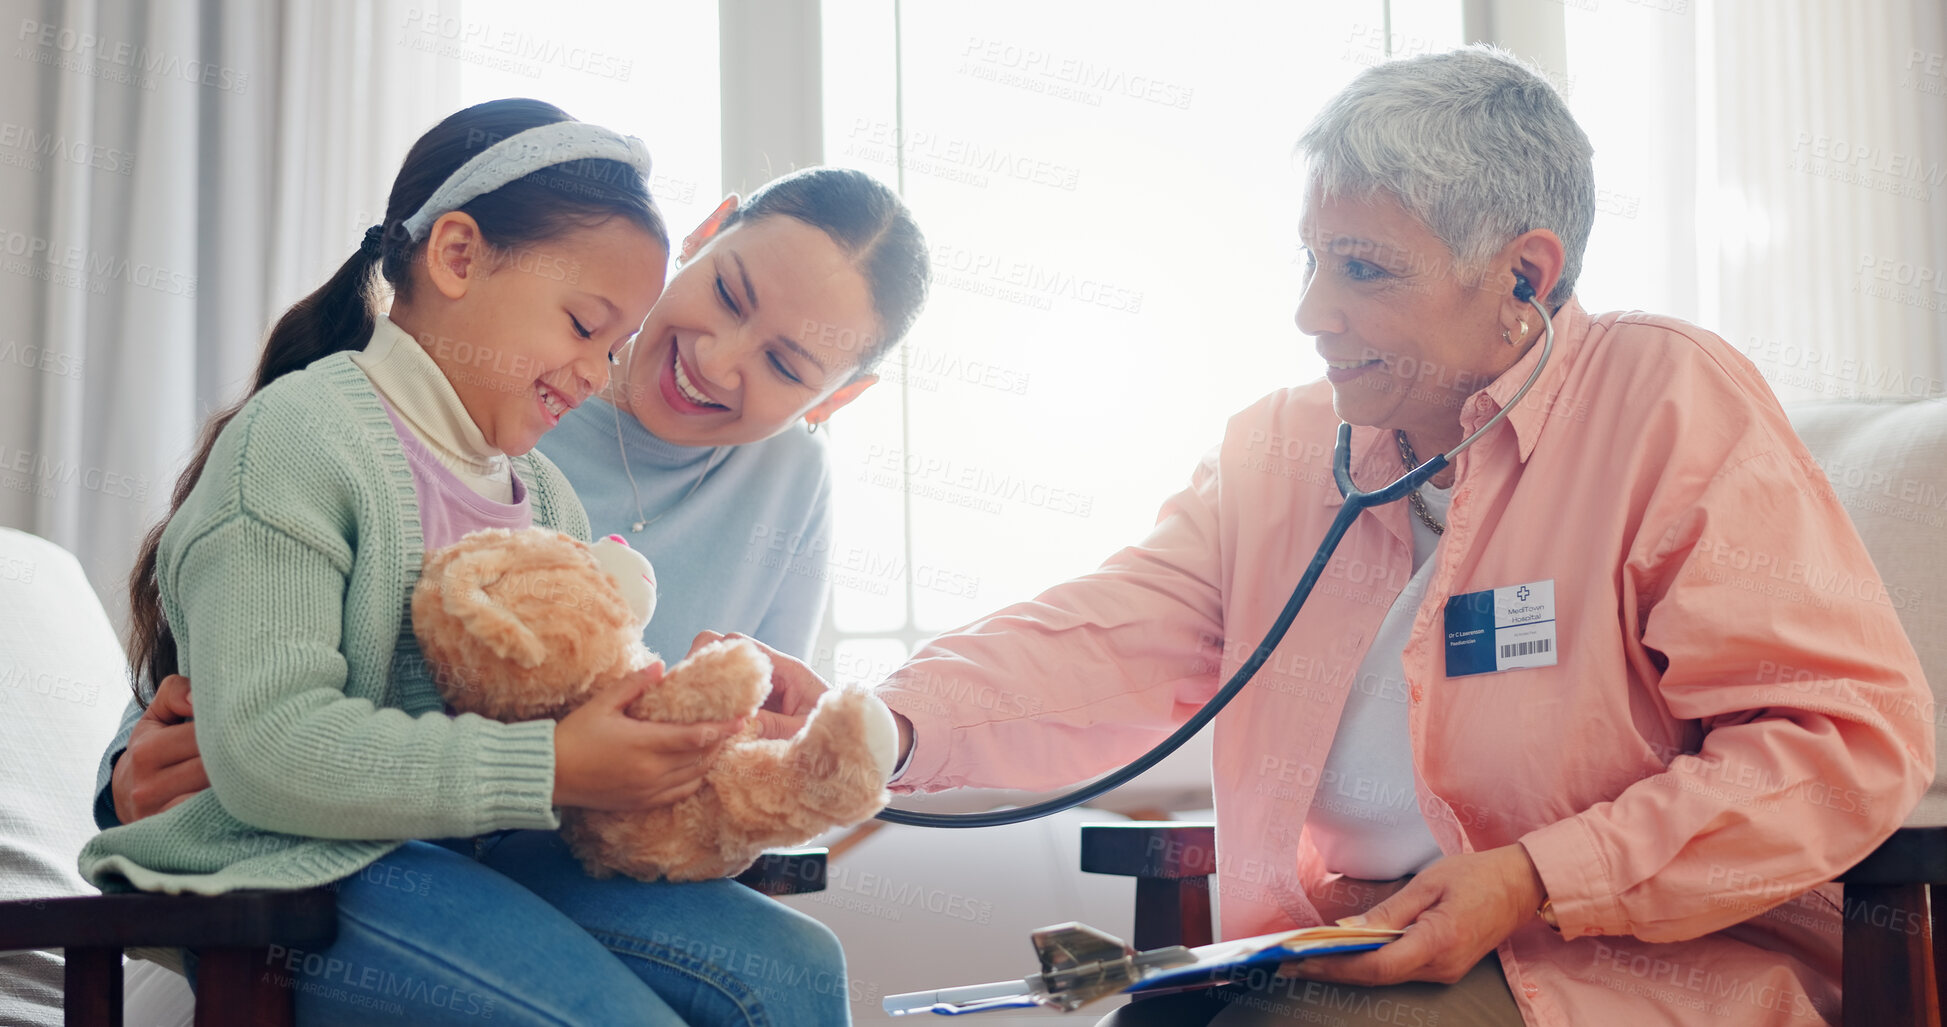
(286, 577)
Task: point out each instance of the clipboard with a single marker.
(1081, 964)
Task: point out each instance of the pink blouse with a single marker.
(1733, 715)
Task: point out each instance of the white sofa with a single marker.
(915, 908)
(62, 690)
(1887, 461)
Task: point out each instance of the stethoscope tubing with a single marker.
(1356, 502)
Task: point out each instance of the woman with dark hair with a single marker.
(524, 253)
(779, 310)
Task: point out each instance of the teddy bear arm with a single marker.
(721, 681)
(846, 783)
(690, 695)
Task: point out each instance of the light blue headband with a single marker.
(520, 155)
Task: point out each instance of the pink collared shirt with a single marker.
(1735, 715)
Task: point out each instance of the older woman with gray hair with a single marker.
(1592, 719)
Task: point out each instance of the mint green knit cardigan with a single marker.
(286, 577)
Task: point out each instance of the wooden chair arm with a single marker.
(1164, 850)
(787, 872)
(1172, 863)
(234, 919)
(233, 935)
(1914, 855)
(1891, 968)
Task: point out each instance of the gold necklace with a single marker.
(1413, 497)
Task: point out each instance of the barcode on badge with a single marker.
(1539, 645)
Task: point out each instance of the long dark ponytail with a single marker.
(871, 225)
(341, 314)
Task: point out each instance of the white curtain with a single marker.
(1832, 269)
(1775, 171)
(173, 175)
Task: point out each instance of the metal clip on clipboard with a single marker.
(1080, 964)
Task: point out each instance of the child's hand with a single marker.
(606, 759)
(161, 766)
(795, 688)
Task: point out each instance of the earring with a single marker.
(811, 426)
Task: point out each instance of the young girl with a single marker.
(523, 251)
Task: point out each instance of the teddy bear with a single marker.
(526, 625)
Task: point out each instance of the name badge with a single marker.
(1501, 629)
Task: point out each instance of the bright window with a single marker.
(645, 69)
(1110, 193)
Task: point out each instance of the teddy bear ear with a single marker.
(464, 597)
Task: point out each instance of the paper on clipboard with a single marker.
(1214, 962)
(1205, 966)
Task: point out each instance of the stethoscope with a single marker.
(1355, 503)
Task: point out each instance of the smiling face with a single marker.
(1405, 338)
(524, 335)
(761, 328)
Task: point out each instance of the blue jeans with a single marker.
(508, 929)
